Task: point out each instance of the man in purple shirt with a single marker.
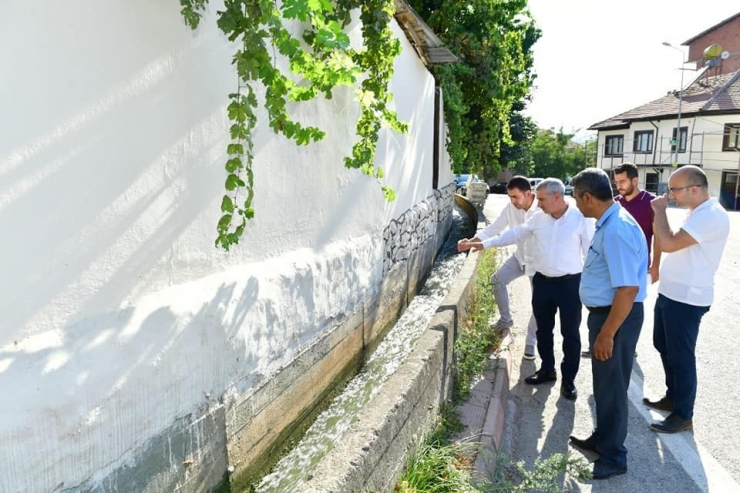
(637, 203)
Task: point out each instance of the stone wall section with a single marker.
(404, 236)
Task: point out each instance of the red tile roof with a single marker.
(720, 93)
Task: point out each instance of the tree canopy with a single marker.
(554, 153)
(493, 40)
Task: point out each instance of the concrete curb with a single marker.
(484, 413)
(371, 455)
(491, 438)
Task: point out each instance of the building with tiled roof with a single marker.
(709, 136)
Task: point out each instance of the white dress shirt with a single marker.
(512, 217)
(558, 245)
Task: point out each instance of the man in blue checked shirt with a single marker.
(613, 287)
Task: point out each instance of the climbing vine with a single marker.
(320, 59)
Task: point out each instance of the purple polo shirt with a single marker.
(641, 210)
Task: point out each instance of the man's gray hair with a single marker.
(551, 186)
(594, 181)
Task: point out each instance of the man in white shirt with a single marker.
(686, 289)
(560, 238)
(521, 207)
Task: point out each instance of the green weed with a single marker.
(477, 338)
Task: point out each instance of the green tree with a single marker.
(516, 154)
(493, 41)
(555, 154)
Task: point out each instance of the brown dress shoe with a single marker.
(672, 424)
(663, 404)
(584, 444)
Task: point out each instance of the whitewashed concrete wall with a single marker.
(122, 327)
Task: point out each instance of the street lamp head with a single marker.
(669, 45)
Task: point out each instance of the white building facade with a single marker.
(648, 136)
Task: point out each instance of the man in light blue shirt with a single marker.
(613, 287)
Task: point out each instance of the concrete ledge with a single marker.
(372, 454)
(493, 428)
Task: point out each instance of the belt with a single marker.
(566, 277)
(605, 309)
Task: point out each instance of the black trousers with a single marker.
(550, 295)
(611, 382)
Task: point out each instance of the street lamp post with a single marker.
(680, 100)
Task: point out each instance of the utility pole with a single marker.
(680, 100)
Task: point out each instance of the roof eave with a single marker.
(428, 46)
(618, 126)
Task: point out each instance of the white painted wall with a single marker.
(119, 314)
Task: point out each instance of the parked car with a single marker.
(461, 180)
(533, 182)
(568, 187)
(500, 187)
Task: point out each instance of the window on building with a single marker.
(731, 140)
(681, 140)
(614, 145)
(651, 182)
(643, 142)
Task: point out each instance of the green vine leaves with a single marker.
(321, 60)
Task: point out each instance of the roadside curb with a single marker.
(484, 411)
(498, 377)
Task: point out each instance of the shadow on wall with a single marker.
(97, 192)
(106, 213)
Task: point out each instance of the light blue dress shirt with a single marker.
(617, 257)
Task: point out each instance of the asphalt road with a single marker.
(539, 421)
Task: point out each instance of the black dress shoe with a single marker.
(603, 472)
(587, 444)
(568, 390)
(541, 377)
(664, 404)
(672, 424)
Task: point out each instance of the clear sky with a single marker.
(599, 58)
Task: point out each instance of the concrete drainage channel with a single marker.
(370, 455)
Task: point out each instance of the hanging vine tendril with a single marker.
(323, 59)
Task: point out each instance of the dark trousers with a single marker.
(675, 330)
(548, 296)
(611, 381)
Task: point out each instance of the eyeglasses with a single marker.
(676, 189)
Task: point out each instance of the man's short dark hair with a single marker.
(520, 183)
(628, 168)
(594, 181)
